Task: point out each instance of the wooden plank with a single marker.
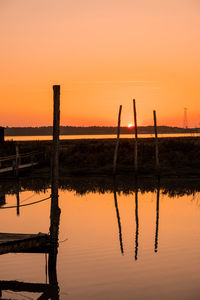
(18, 286)
(10, 169)
(11, 242)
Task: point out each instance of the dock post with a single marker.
(156, 142)
(117, 143)
(136, 137)
(55, 210)
(2, 134)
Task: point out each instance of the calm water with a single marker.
(99, 136)
(112, 246)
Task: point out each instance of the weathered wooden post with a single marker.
(136, 137)
(1, 134)
(117, 143)
(55, 210)
(156, 142)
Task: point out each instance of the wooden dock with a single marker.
(10, 169)
(24, 243)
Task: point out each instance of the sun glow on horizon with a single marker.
(130, 125)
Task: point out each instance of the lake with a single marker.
(99, 136)
(129, 244)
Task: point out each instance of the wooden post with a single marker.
(156, 141)
(17, 160)
(117, 143)
(1, 134)
(136, 137)
(55, 210)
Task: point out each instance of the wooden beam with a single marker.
(18, 286)
(136, 137)
(11, 242)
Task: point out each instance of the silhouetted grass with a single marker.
(177, 155)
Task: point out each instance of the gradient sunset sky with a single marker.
(103, 54)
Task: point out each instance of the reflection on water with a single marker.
(157, 216)
(136, 220)
(96, 136)
(99, 232)
(118, 220)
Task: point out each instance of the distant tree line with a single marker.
(92, 130)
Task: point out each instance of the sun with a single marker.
(130, 125)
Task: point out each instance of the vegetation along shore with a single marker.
(177, 156)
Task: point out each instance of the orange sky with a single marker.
(103, 54)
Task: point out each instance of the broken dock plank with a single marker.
(16, 242)
(18, 286)
(10, 169)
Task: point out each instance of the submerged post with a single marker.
(136, 137)
(55, 210)
(156, 141)
(117, 143)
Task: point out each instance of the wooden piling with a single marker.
(136, 137)
(157, 165)
(1, 135)
(117, 143)
(55, 210)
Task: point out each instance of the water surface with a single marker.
(98, 136)
(112, 245)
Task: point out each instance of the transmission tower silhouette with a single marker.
(185, 120)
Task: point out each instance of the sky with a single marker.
(102, 54)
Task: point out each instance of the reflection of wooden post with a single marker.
(136, 219)
(55, 211)
(156, 141)
(157, 215)
(118, 220)
(53, 281)
(117, 143)
(18, 200)
(136, 136)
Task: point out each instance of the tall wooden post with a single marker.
(156, 141)
(55, 210)
(136, 137)
(117, 143)
(1, 135)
